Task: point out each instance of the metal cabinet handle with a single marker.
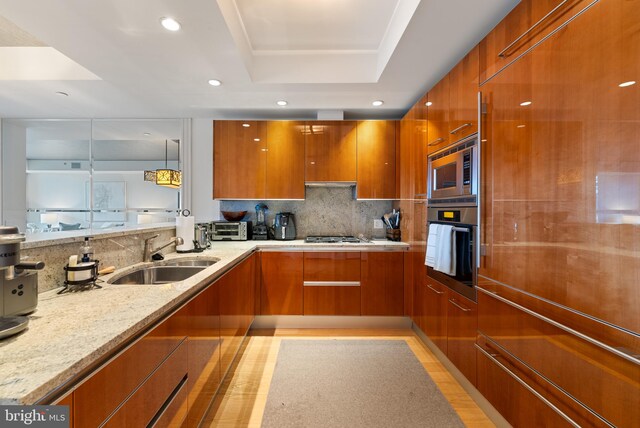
(453, 302)
(436, 141)
(434, 290)
(460, 127)
(503, 52)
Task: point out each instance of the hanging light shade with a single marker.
(166, 176)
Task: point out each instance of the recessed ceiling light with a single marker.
(629, 83)
(377, 103)
(282, 103)
(256, 139)
(215, 82)
(525, 103)
(170, 24)
(146, 134)
(246, 125)
(428, 103)
(62, 93)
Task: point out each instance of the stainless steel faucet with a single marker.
(148, 252)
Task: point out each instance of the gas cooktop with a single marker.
(331, 239)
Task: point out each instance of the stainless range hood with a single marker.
(330, 183)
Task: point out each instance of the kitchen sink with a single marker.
(169, 271)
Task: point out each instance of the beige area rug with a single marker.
(353, 383)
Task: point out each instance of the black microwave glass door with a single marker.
(445, 176)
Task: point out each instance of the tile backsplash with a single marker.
(325, 211)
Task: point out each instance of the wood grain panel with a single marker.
(438, 116)
(319, 300)
(376, 159)
(332, 266)
(330, 151)
(281, 283)
(522, 18)
(463, 97)
(436, 312)
(418, 142)
(285, 160)
(143, 405)
(462, 328)
(382, 283)
(115, 381)
(67, 401)
(239, 159)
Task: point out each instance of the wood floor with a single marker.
(243, 395)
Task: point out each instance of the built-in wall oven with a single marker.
(465, 228)
(452, 173)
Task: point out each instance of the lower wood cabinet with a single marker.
(332, 283)
(434, 301)
(382, 283)
(332, 300)
(462, 329)
(281, 283)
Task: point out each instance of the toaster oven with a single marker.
(231, 230)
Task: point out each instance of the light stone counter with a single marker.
(70, 332)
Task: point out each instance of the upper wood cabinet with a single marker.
(438, 116)
(285, 160)
(419, 136)
(239, 159)
(463, 97)
(330, 153)
(376, 149)
(525, 26)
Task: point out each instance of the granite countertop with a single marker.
(70, 332)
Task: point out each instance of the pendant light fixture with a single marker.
(166, 176)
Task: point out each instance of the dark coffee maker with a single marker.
(284, 228)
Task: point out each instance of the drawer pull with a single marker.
(331, 283)
(503, 52)
(436, 141)
(459, 128)
(434, 290)
(453, 302)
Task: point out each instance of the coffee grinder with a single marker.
(18, 283)
(260, 230)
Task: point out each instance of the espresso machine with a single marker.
(18, 283)
(260, 229)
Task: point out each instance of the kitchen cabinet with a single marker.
(438, 116)
(435, 312)
(240, 159)
(462, 328)
(281, 283)
(524, 27)
(332, 283)
(382, 284)
(376, 159)
(330, 151)
(285, 160)
(67, 401)
(237, 309)
(463, 97)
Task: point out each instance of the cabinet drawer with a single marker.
(332, 266)
(601, 380)
(148, 400)
(525, 26)
(332, 300)
(101, 394)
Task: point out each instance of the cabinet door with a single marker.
(382, 283)
(285, 160)
(462, 329)
(237, 309)
(527, 24)
(330, 151)
(463, 97)
(67, 401)
(281, 284)
(436, 308)
(332, 283)
(239, 159)
(419, 148)
(438, 116)
(376, 148)
(405, 158)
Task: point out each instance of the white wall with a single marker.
(203, 207)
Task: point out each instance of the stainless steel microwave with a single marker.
(452, 173)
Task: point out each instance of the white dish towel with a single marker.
(445, 260)
(432, 245)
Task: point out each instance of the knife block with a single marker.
(393, 235)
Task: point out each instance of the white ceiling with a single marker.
(317, 55)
